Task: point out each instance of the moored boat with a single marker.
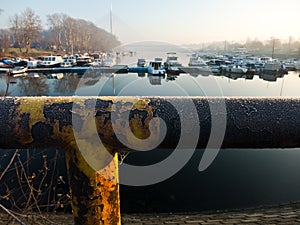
(141, 62)
(156, 68)
(51, 62)
(17, 70)
(172, 65)
(235, 69)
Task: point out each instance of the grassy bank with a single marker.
(33, 52)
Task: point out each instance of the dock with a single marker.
(81, 70)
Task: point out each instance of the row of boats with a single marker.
(219, 64)
(20, 65)
(240, 64)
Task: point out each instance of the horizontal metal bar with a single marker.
(44, 122)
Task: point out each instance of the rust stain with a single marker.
(95, 194)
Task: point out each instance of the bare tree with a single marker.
(17, 30)
(69, 30)
(32, 27)
(56, 25)
(25, 28)
(4, 40)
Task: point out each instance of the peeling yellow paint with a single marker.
(102, 204)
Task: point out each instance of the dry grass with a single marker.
(37, 219)
(32, 196)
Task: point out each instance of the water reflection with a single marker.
(155, 80)
(107, 84)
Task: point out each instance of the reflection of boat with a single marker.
(155, 80)
(57, 76)
(196, 70)
(33, 75)
(141, 74)
(234, 76)
(269, 76)
(172, 65)
(171, 77)
(156, 68)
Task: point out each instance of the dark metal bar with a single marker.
(250, 122)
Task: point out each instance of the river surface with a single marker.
(134, 84)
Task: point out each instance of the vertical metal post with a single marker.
(95, 194)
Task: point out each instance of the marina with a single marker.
(149, 115)
(237, 64)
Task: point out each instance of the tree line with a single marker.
(64, 34)
(278, 47)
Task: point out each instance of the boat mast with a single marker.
(111, 26)
(273, 48)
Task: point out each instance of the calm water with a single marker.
(148, 85)
(237, 178)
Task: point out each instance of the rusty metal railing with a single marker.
(68, 122)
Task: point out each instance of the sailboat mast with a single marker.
(111, 26)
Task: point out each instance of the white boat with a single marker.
(272, 66)
(290, 64)
(266, 59)
(216, 65)
(51, 61)
(18, 70)
(172, 65)
(235, 69)
(67, 63)
(96, 63)
(196, 61)
(83, 60)
(156, 68)
(141, 63)
(297, 65)
(32, 63)
(108, 62)
(196, 66)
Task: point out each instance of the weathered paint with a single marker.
(95, 194)
(251, 122)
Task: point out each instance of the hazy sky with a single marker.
(176, 21)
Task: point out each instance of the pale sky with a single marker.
(176, 21)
